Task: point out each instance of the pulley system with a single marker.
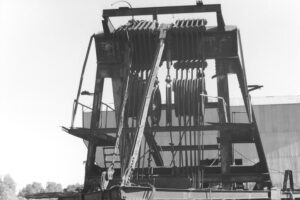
(166, 123)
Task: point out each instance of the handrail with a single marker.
(223, 102)
(108, 106)
(85, 106)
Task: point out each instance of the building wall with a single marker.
(279, 126)
(280, 132)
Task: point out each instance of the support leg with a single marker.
(90, 167)
(225, 139)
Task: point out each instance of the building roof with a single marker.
(268, 100)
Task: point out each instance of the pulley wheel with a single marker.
(155, 106)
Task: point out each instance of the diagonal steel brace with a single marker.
(143, 112)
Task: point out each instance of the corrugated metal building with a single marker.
(278, 120)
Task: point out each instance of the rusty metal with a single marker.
(171, 152)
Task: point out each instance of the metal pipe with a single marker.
(127, 4)
(223, 103)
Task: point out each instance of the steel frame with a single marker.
(226, 62)
(229, 59)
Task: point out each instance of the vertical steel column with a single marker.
(89, 166)
(225, 138)
(120, 88)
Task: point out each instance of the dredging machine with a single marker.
(171, 148)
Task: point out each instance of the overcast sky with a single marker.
(42, 47)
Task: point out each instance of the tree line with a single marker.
(8, 188)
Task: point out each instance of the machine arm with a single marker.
(144, 109)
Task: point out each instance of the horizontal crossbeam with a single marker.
(189, 147)
(125, 11)
(240, 132)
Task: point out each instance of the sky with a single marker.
(42, 48)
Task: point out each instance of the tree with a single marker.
(33, 188)
(9, 182)
(7, 188)
(73, 188)
(53, 187)
(38, 188)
